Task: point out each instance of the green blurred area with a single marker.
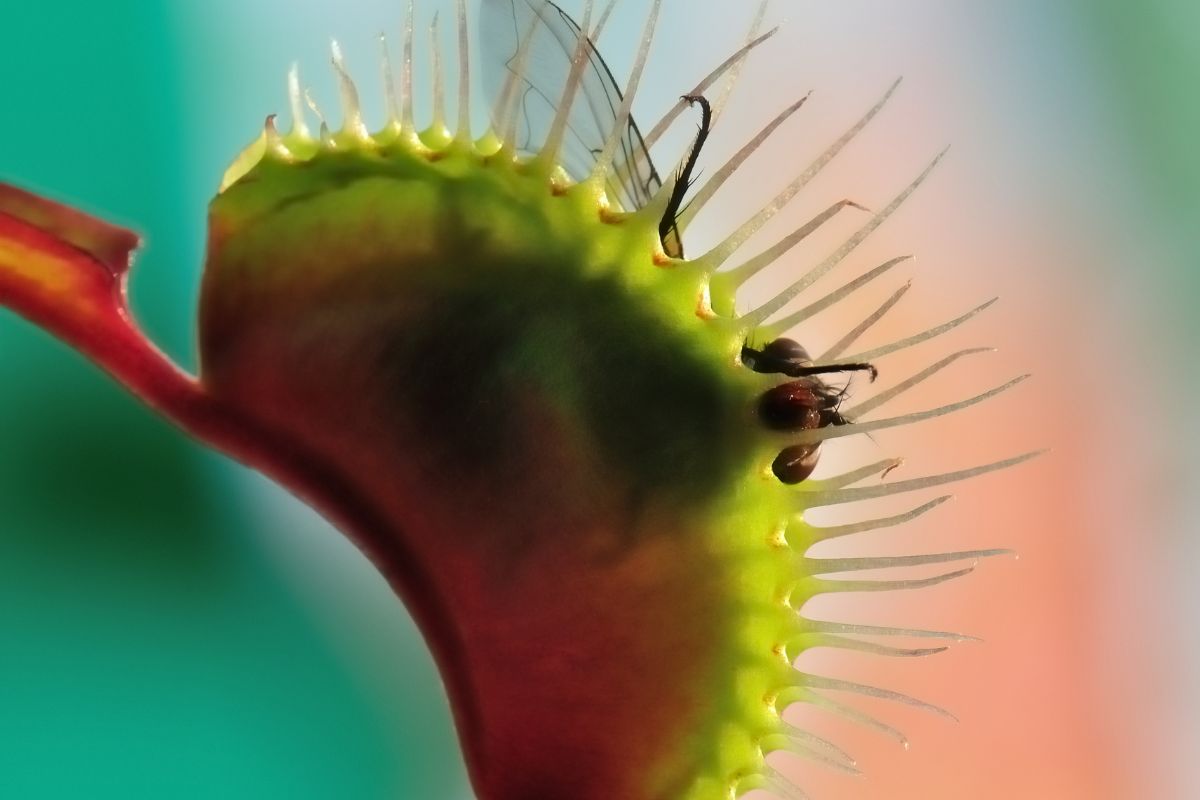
(1147, 56)
(150, 644)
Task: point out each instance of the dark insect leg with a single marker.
(667, 229)
(799, 371)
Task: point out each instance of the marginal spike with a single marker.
(823, 626)
(834, 297)
(603, 23)
(738, 238)
(579, 61)
(854, 476)
(311, 102)
(296, 101)
(786, 744)
(835, 685)
(390, 96)
(718, 180)
(872, 648)
(818, 742)
(867, 406)
(464, 77)
(854, 495)
(923, 336)
(736, 277)
(605, 159)
(325, 136)
(439, 77)
(830, 566)
(502, 105)
(825, 586)
(274, 141)
(736, 74)
(815, 435)
(763, 312)
(352, 119)
(850, 338)
(407, 120)
(838, 531)
(775, 781)
(703, 86)
(854, 715)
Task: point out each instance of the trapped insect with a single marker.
(533, 81)
(552, 37)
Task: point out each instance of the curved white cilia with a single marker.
(549, 88)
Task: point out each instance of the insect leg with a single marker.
(668, 229)
(801, 371)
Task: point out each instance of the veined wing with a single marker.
(555, 38)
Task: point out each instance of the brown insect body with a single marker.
(807, 403)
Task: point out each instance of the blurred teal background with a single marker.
(171, 626)
(165, 627)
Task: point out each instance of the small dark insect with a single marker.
(797, 463)
(807, 403)
(801, 405)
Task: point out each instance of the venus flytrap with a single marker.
(583, 466)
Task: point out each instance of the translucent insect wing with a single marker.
(555, 37)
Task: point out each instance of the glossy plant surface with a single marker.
(540, 427)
